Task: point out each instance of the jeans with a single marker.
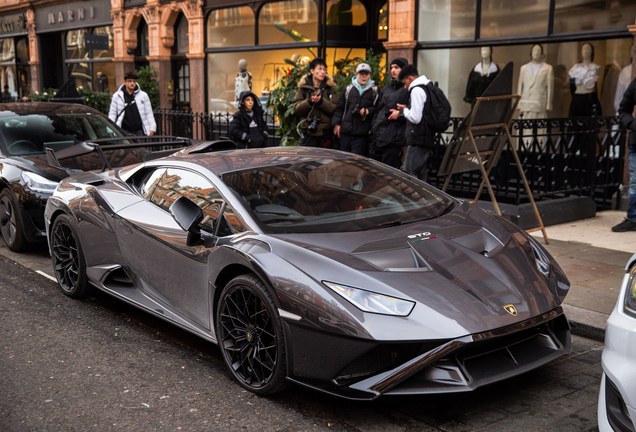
(355, 144)
(416, 161)
(631, 209)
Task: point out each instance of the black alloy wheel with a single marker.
(250, 335)
(11, 224)
(68, 259)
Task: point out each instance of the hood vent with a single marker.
(397, 260)
(480, 241)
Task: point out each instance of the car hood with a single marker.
(39, 165)
(464, 266)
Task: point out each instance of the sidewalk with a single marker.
(593, 258)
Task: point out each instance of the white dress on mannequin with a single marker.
(536, 86)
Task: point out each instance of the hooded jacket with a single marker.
(116, 112)
(350, 123)
(390, 133)
(324, 109)
(417, 133)
(240, 131)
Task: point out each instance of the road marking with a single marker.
(40, 272)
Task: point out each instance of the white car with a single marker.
(617, 398)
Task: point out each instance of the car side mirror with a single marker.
(188, 215)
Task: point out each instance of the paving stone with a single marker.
(455, 426)
(549, 392)
(526, 422)
(584, 420)
(594, 370)
(587, 396)
(482, 419)
(590, 357)
(579, 380)
(584, 344)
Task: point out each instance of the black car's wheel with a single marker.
(11, 223)
(250, 335)
(68, 259)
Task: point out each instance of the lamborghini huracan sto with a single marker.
(315, 267)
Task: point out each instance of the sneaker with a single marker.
(626, 225)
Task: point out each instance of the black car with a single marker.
(316, 267)
(26, 178)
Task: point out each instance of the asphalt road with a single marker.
(100, 365)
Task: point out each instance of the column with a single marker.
(159, 53)
(34, 59)
(401, 41)
(125, 24)
(193, 10)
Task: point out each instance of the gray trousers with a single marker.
(416, 161)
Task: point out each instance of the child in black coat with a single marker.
(248, 128)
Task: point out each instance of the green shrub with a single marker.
(94, 99)
(148, 82)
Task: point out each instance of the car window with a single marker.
(328, 195)
(174, 183)
(28, 135)
(149, 183)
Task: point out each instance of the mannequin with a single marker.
(243, 81)
(583, 78)
(481, 76)
(536, 85)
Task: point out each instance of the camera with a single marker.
(356, 109)
(387, 113)
(313, 124)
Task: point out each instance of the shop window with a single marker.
(22, 51)
(8, 50)
(506, 18)
(231, 27)
(589, 15)
(337, 56)
(383, 22)
(75, 45)
(442, 20)
(107, 48)
(183, 36)
(342, 15)
(288, 22)
(266, 67)
(91, 67)
(451, 69)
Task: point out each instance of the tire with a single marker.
(68, 259)
(11, 223)
(250, 335)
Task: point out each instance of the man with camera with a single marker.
(388, 125)
(356, 107)
(314, 103)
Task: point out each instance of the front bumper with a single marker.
(617, 396)
(456, 365)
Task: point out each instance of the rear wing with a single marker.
(99, 145)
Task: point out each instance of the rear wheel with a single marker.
(11, 223)
(250, 335)
(69, 264)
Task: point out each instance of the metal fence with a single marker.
(561, 157)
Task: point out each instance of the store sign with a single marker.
(73, 15)
(96, 42)
(11, 24)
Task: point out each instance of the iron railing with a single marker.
(561, 157)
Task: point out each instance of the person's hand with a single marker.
(151, 133)
(316, 98)
(400, 107)
(394, 114)
(363, 112)
(336, 130)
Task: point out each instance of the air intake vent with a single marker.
(481, 241)
(395, 260)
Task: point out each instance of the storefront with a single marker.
(76, 42)
(587, 40)
(15, 72)
(266, 34)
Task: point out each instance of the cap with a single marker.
(399, 61)
(363, 67)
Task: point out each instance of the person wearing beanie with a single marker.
(356, 107)
(130, 108)
(388, 126)
(248, 128)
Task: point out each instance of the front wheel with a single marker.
(67, 255)
(11, 223)
(250, 335)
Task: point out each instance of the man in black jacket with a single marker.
(625, 111)
(248, 128)
(388, 125)
(355, 109)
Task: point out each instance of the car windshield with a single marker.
(29, 135)
(327, 195)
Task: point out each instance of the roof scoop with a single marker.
(398, 260)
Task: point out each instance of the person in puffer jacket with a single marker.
(130, 108)
(248, 128)
(354, 112)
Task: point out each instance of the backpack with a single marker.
(437, 109)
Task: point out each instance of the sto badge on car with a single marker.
(421, 236)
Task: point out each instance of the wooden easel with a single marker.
(499, 136)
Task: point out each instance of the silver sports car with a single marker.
(314, 267)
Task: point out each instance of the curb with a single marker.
(586, 323)
(587, 331)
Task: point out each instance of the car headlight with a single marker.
(37, 183)
(541, 259)
(630, 294)
(368, 301)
